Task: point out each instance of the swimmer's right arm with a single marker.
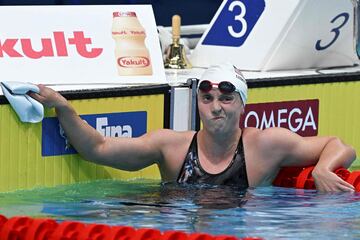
(129, 154)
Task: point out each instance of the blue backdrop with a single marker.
(191, 11)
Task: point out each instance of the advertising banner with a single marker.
(115, 44)
(279, 35)
(320, 109)
(37, 155)
(301, 117)
(129, 124)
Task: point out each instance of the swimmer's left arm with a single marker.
(335, 154)
(327, 153)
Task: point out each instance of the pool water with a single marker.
(268, 212)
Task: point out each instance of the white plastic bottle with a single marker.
(132, 56)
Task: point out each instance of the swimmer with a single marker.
(220, 153)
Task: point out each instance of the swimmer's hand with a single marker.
(327, 181)
(48, 97)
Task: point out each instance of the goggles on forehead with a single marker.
(224, 86)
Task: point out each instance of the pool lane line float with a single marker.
(298, 177)
(27, 228)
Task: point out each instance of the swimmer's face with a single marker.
(220, 111)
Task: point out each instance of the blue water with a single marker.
(268, 212)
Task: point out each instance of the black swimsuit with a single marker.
(235, 174)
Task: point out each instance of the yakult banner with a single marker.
(301, 117)
(80, 44)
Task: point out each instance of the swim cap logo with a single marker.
(133, 62)
(234, 23)
(239, 75)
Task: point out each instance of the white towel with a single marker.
(27, 108)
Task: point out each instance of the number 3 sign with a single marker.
(234, 23)
(279, 35)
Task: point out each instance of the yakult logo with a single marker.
(133, 62)
(131, 33)
(50, 47)
(300, 117)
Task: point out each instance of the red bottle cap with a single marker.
(124, 14)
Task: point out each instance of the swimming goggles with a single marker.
(224, 87)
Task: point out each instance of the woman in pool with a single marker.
(221, 152)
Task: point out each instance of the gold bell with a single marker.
(175, 55)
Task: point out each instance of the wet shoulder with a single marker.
(266, 139)
(250, 134)
(174, 146)
(261, 155)
(171, 138)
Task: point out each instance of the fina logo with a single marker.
(123, 124)
(234, 23)
(104, 129)
(112, 131)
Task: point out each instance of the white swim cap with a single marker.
(227, 72)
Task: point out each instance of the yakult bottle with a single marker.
(132, 56)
